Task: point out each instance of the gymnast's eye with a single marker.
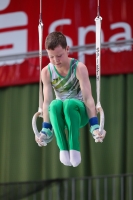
(59, 56)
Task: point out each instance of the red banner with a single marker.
(19, 35)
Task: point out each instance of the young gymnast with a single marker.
(73, 106)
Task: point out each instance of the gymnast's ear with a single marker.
(67, 49)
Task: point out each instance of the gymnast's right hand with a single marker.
(46, 135)
(40, 140)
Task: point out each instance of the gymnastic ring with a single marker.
(100, 110)
(35, 130)
(34, 126)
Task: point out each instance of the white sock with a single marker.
(75, 158)
(65, 158)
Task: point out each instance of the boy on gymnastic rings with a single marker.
(74, 105)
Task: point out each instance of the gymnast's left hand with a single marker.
(40, 140)
(99, 136)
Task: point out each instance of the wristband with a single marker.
(46, 125)
(93, 121)
(93, 124)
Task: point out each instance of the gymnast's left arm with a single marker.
(83, 77)
(85, 85)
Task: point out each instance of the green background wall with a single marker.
(22, 160)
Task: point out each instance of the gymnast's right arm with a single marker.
(48, 97)
(47, 93)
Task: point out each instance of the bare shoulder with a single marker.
(44, 71)
(81, 70)
(45, 74)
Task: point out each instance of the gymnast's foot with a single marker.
(75, 158)
(65, 158)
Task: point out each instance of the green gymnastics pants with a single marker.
(72, 115)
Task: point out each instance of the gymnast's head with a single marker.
(55, 39)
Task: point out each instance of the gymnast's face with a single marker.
(59, 56)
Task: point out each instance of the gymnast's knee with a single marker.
(69, 105)
(55, 105)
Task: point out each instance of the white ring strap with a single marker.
(40, 109)
(40, 30)
(98, 71)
